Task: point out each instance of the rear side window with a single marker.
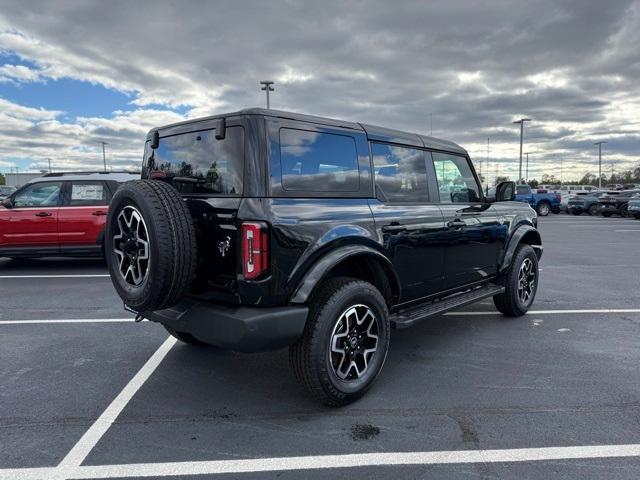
(318, 162)
(198, 163)
(88, 193)
(400, 173)
(523, 190)
(456, 182)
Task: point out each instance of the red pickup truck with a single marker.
(58, 214)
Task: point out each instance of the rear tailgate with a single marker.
(206, 165)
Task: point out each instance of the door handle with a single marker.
(43, 214)
(394, 227)
(456, 224)
(98, 213)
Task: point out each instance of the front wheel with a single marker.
(593, 210)
(521, 283)
(345, 341)
(624, 211)
(543, 209)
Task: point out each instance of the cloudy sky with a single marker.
(73, 74)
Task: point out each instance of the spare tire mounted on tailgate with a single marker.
(151, 245)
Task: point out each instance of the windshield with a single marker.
(198, 163)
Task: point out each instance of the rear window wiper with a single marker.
(189, 179)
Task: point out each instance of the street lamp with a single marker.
(266, 87)
(104, 157)
(527, 169)
(521, 122)
(599, 163)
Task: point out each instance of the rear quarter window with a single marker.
(314, 161)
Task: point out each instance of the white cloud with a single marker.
(574, 71)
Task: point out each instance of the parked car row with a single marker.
(622, 203)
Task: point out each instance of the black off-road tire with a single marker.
(309, 356)
(172, 245)
(543, 209)
(606, 214)
(509, 302)
(624, 211)
(184, 337)
(593, 210)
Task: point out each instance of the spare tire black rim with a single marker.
(354, 342)
(131, 246)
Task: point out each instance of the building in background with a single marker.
(19, 179)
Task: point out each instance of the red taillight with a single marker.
(255, 249)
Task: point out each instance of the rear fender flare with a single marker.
(523, 234)
(319, 270)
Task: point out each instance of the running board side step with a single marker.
(406, 318)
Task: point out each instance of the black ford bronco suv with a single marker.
(262, 229)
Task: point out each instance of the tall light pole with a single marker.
(599, 163)
(104, 156)
(521, 122)
(49, 160)
(487, 182)
(266, 87)
(527, 169)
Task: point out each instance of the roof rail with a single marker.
(101, 172)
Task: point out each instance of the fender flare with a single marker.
(516, 239)
(320, 268)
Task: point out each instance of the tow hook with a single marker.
(138, 316)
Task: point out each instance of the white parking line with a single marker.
(556, 312)
(217, 467)
(91, 437)
(55, 276)
(66, 320)
(628, 230)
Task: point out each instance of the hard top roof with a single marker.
(372, 131)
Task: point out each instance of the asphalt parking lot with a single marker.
(87, 393)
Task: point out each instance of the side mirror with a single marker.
(505, 191)
(7, 203)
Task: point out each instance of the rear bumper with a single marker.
(246, 329)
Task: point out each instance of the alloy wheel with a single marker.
(131, 246)
(526, 281)
(354, 342)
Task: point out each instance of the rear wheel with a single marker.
(345, 341)
(521, 283)
(150, 245)
(543, 209)
(593, 210)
